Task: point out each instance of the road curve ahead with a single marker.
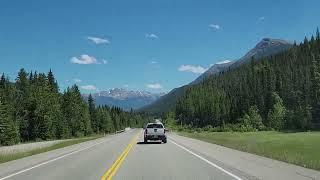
(125, 156)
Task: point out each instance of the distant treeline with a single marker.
(32, 108)
(277, 92)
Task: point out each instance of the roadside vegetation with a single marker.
(280, 92)
(300, 148)
(296, 147)
(17, 155)
(34, 109)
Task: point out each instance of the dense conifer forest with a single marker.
(32, 108)
(278, 92)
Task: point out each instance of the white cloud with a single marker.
(154, 86)
(193, 69)
(104, 61)
(89, 87)
(84, 59)
(126, 85)
(215, 26)
(262, 18)
(153, 61)
(98, 40)
(151, 36)
(223, 62)
(76, 80)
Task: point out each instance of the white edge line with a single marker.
(52, 160)
(206, 160)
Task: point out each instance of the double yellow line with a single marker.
(116, 165)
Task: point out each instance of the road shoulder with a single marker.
(253, 165)
(17, 165)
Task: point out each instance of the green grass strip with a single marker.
(10, 157)
(302, 148)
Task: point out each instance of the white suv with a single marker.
(155, 131)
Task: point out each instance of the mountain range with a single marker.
(266, 47)
(124, 98)
(161, 102)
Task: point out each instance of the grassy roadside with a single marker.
(297, 148)
(14, 156)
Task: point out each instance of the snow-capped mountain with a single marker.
(124, 98)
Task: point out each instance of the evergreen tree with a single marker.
(53, 85)
(105, 123)
(245, 120)
(76, 112)
(315, 78)
(23, 105)
(255, 118)
(32, 108)
(169, 120)
(93, 115)
(277, 114)
(22, 81)
(8, 131)
(294, 75)
(2, 81)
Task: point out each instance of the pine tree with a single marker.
(45, 109)
(315, 78)
(22, 81)
(62, 130)
(32, 108)
(52, 82)
(104, 123)
(292, 75)
(305, 41)
(8, 131)
(255, 118)
(294, 43)
(2, 81)
(93, 116)
(31, 76)
(76, 112)
(277, 114)
(23, 105)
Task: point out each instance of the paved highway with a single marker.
(124, 156)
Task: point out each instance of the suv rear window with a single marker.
(154, 126)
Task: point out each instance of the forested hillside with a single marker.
(265, 48)
(278, 92)
(32, 108)
(166, 102)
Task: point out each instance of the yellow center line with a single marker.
(116, 165)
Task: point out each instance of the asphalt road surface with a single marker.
(125, 156)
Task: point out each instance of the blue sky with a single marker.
(148, 44)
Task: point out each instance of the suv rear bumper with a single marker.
(155, 137)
